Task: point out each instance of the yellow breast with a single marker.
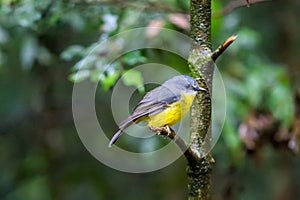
(173, 113)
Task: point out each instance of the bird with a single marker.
(163, 106)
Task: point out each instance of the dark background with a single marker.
(41, 155)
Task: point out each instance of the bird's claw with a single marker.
(165, 130)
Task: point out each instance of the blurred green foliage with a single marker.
(42, 46)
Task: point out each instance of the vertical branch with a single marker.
(201, 66)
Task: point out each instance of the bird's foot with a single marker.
(165, 130)
(157, 130)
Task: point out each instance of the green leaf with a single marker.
(86, 63)
(254, 88)
(26, 15)
(134, 78)
(248, 39)
(110, 22)
(96, 75)
(72, 51)
(108, 81)
(79, 76)
(133, 58)
(280, 102)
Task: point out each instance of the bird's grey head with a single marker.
(192, 84)
(184, 82)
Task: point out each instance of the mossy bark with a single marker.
(201, 66)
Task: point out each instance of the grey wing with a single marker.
(155, 102)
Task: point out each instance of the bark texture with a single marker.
(202, 67)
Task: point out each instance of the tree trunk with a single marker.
(202, 67)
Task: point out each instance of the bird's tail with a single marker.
(123, 126)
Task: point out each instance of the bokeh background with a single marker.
(41, 44)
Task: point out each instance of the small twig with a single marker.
(170, 133)
(223, 47)
(167, 131)
(236, 4)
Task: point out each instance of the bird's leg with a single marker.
(170, 133)
(165, 130)
(157, 130)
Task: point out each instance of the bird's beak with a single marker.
(199, 88)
